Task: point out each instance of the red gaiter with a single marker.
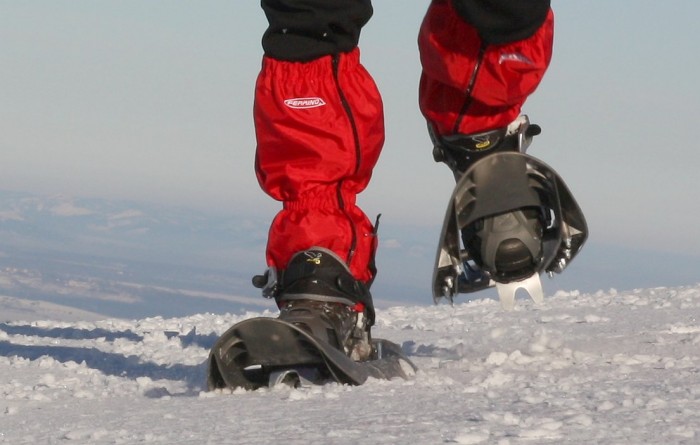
(320, 129)
(468, 86)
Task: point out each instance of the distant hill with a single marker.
(127, 259)
(130, 259)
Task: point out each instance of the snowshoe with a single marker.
(525, 221)
(264, 352)
(322, 333)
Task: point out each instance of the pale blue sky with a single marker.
(151, 100)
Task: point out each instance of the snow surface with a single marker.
(604, 368)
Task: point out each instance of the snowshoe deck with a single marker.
(263, 351)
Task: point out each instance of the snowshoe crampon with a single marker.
(262, 352)
(527, 208)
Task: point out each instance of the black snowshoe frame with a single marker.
(261, 352)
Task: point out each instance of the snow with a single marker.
(605, 368)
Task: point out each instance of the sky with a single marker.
(152, 101)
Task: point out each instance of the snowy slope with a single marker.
(30, 310)
(605, 368)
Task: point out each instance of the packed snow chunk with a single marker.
(47, 380)
(683, 329)
(539, 434)
(498, 379)
(505, 418)
(91, 435)
(605, 406)
(519, 358)
(497, 358)
(591, 318)
(46, 362)
(84, 394)
(566, 294)
(533, 399)
(543, 342)
(540, 429)
(685, 432)
(471, 437)
(581, 419)
(497, 333)
(11, 410)
(657, 403)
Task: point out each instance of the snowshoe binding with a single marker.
(318, 293)
(525, 221)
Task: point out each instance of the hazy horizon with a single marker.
(133, 259)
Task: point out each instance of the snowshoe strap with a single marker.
(316, 274)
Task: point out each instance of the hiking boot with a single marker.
(507, 246)
(318, 293)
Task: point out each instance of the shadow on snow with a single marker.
(109, 363)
